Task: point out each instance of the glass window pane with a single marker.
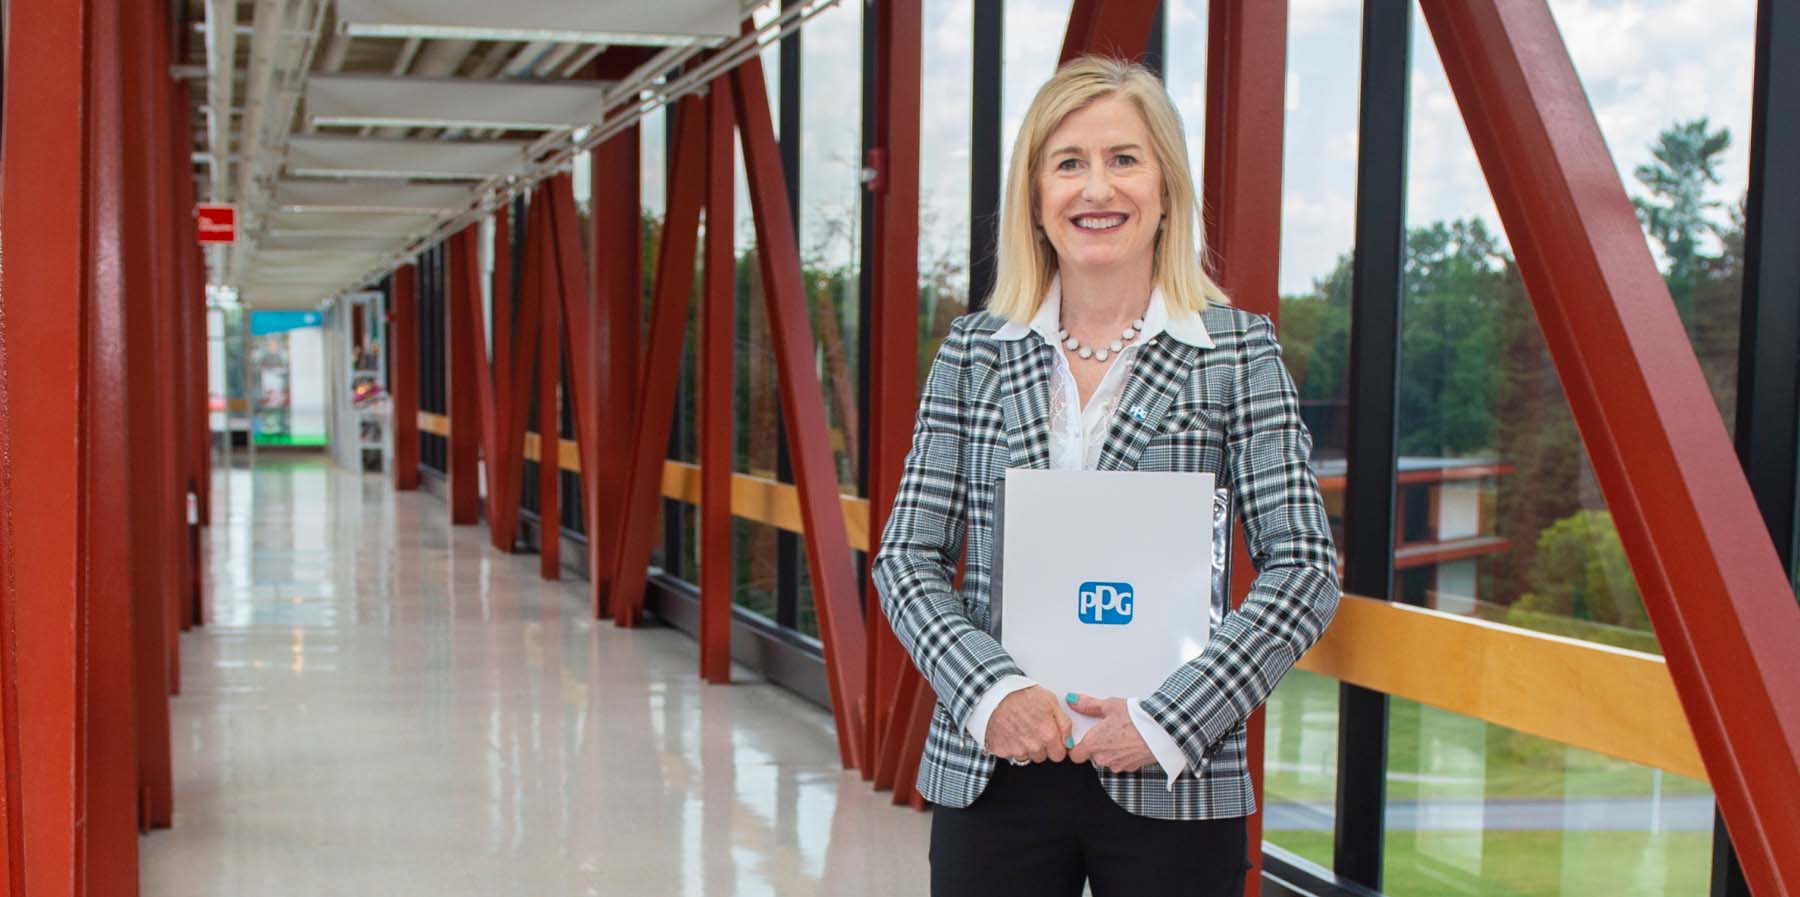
(1477, 809)
(831, 214)
(1300, 766)
(1500, 512)
(944, 145)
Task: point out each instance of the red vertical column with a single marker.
(549, 408)
(150, 548)
(568, 277)
(617, 262)
(717, 341)
(110, 801)
(897, 694)
(190, 350)
(460, 378)
(403, 343)
(45, 285)
(1246, 71)
(512, 388)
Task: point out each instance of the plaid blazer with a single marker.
(985, 408)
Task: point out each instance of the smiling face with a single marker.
(1100, 189)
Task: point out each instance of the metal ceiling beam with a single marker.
(333, 196)
(445, 102)
(339, 243)
(364, 158)
(360, 224)
(221, 64)
(664, 23)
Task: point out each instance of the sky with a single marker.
(1645, 64)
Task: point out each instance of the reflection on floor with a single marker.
(381, 704)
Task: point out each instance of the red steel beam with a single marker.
(573, 296)
(110, 802)
(512, 386)
(403, 343)
(717, 345)
(44, 282)
(149, 558)
(835, 596)
(466, 387)
(190, 309)
(501, 293)
(171, 512)
(549, 371)
(617, 299)
(1717, 596)
(892, 680)
(662, 372)
(1246, 70)
(1118, 28)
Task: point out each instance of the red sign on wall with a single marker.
(218, 223)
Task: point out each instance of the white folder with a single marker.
(1105, 580)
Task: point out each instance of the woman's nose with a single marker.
(1098, 186)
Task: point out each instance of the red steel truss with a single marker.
(1720, 602)
(718, 354)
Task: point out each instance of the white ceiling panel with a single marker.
(289, 224)
(334, 243)
(384, 101)
(365, 196)
(661, 23)
(311, 156)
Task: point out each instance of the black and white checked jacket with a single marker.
(985, 408)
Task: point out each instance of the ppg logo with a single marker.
(1105, 603)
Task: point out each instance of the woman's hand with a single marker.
(1114, 742)
(1029, 726)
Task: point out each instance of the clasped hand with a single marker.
(1028, 726)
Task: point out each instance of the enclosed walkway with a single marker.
(380, 703)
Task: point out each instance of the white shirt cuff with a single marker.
(984, 708)
(1168, 754)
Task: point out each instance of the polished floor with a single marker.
(383, 704)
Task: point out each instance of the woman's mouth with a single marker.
(1099, 223)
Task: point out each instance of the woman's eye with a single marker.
(1068, 165)
(1125, 160)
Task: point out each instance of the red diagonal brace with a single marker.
(1118, 28)
(662, 371)
(803, 404)
(506, 472)
(574, 296)
(469, 391)
(1722, 606)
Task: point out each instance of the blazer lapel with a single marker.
(1025, 379)
(1161, 371)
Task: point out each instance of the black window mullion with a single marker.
(787, 544)
(1378, 269)
(984, 150)
(1768, 395)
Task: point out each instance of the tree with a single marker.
(1685, 162)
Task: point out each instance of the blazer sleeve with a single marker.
(1296, 590)
(922, 544)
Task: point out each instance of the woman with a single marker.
(1105, 346)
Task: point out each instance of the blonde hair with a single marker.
(1026, 262)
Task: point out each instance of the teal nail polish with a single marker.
(1069, 742)
(1072, 698)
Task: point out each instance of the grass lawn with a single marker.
(1532, 863)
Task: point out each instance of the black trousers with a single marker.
(1045, 829)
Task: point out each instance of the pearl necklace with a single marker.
(1104, 352)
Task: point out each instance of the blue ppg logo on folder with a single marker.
(1104, 603)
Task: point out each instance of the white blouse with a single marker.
(1077, 434)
